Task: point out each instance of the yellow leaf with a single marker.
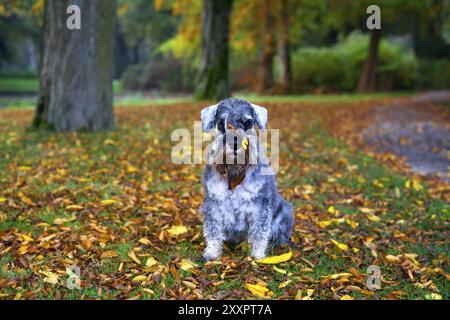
(132, 169)
(309, 293)
(416, 185)
(27, 238)
(394, 259)
(331, 209)
(59, 221)
(276, 259)
(177, 230)
(324, 223)
(367, 210)
(139, 278)
(108, 202)
(433, 296)
(352, 223)
(245, 143)
(340, 275)
(258, 290)
(151, 262)
(284, 284)
(2, 200)
(373, 218)
(74, 208)
(133, 257)
(109, 254)
(50, 277)
(144, 241)
(341, 246)
(26, 200)
(408, 184)
(346, 297)
(109, 142)
(148, 291)
(186, 265)
(279, 270)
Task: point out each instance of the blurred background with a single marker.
(275, 48)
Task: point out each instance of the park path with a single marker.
(417, 129)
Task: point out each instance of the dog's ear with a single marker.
(260, 116)
(209, 117)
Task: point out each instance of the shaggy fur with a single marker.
(253, 210)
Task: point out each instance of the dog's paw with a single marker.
(211, 254)
(258, 252)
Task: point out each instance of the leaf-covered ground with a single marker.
(114, 205)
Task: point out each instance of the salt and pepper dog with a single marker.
(242, 201)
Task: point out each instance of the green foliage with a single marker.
(338, 68)
(163, 72)
(433, 74)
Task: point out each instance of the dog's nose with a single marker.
(231, 127)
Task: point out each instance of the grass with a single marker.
(30, 85)
(318, 171)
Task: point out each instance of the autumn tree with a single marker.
(284, 45)
(213, 83)
(77, 68)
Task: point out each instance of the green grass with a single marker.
(20, 85)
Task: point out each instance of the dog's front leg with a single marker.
(214, 237)
(259, 233)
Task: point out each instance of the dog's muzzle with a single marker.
(233, 148)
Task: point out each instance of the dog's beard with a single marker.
(232, 165)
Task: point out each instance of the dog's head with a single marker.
(235, 121)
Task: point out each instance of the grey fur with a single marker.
(254, 210)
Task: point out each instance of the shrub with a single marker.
(338, 68)
(163, 73)
(433, 74)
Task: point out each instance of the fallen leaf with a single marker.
(151, 262)
(433, 296)
(108, 202)
(276, 259)
(140, 278)
(341, 246)
(109, 254)
(177, 230)
(133, 257)
(186, 265)
(373, 218)
(346, 297)
(50, 277)
(258, 290)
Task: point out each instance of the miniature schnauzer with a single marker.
(242, 201)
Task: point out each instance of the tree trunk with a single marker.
(268, 49)
(284, 48)
(368, 76)
(77, 68)
(213, 82)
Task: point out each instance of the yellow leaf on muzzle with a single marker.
(245, 143)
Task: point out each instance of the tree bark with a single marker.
(77, 68)
(268, 49)
(213, 81)
(285, 48)
(368, 76)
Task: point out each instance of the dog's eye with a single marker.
(221, 125)
(248, 124)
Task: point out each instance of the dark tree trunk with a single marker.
(121, 52)
(213, 82)
(284, 48)
(77, 67)
(415, 33)
(368, 76)
(268, 49)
